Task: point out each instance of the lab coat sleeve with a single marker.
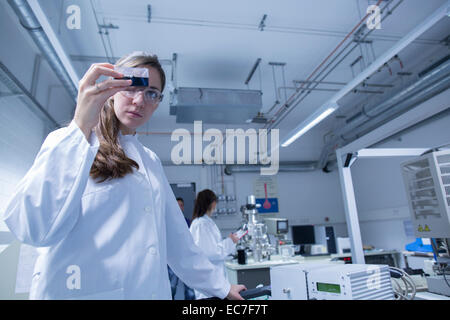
(204, 238)
(186, 259)
(47, 201)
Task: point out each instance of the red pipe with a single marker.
(323, 62)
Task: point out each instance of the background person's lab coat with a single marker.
(207, 236)
(109, 240)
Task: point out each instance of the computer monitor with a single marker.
(303, 235)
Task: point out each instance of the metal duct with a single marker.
(400, 98)
(224, 106)
(433, 83)
(409, 103)
(299, 166)
(16, 87)
(29, 22)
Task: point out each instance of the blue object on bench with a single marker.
(418, 246)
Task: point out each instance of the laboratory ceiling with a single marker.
(217, 43)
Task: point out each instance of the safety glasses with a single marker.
(151, 96)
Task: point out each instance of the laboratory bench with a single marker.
(430, 296)
(391, 258)
(254, 273)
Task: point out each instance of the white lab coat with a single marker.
(110, 240)
(207, 236)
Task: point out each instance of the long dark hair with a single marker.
(111, 161)
(203, 203)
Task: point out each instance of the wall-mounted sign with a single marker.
(265, 189)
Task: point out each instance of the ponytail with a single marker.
(110, 161)
(203, 203)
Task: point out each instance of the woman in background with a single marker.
(207, 235)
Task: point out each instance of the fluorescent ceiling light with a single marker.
(309, 124)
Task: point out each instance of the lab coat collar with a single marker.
(208, 218)
(128, 137)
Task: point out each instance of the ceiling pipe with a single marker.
(407, 104)
(398, 99)
(372, 68)
(328, 153)
(17, 88)
(343, 83)
(92, 59)
(297, 166)
(420, 97)
(425, 88)
(29, 21)
(295, 95)
(304, 93)
(334, 90)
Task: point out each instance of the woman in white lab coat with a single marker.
(98, 204)
(207, 235)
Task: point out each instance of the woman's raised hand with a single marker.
(234, 237)
(92, 95)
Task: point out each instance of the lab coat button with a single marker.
(152, 250)
(148, 209)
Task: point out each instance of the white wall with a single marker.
(304, 197)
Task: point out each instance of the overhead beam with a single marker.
(252, 71)
(389, 54)
(18, 90)
(425, 110)
(45, 24)
(390, 152)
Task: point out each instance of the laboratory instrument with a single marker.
(311, 281)
(279, 228)
(427, 183)
(256, 242)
